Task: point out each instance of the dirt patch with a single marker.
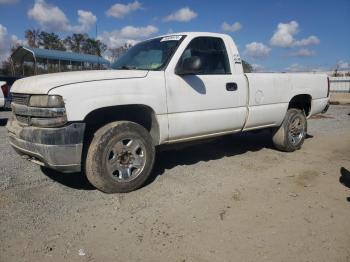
(307, 178)
(340, 98)
(222, 214)
(237, 196)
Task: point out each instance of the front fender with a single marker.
(82, 98)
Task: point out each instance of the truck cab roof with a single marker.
(194, 34)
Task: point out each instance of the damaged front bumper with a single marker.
(57, 148)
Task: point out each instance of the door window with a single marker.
(212, 53)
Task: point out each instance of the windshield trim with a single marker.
(165, 65)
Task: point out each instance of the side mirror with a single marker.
(190, 66)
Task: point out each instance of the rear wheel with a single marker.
(120, 157)
(291, 134)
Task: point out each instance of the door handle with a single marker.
(231, 86)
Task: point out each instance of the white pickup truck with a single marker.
(167, 89)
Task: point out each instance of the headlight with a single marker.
(46, 101)
(41, 111)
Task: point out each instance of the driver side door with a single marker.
(213, 101)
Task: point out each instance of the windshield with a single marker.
(153, 54)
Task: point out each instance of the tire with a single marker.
(120, 157)
(291, 134)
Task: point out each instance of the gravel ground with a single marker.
(233, 198)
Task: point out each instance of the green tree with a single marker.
(93, 47)
(247, 68)
(32, 37)
(51, 41)
(76, 42)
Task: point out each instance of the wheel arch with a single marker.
(138, 113)
(302, 102)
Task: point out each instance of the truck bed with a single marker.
(270, 93)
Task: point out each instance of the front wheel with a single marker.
(291, 134)
(120, 157)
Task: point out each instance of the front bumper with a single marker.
(57, 148)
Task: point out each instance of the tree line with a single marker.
(79, 43)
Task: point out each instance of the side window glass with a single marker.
(213, 55)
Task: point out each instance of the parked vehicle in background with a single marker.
(2, 93)
(168, 89)
(5, 96)
(9, 79)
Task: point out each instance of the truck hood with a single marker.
(42, 84)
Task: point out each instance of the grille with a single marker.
(23, 119)
(20, 99)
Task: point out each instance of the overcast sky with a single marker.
(274, 35)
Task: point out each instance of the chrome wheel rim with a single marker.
(296, 130)
(126, 159)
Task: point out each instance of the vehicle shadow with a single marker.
(72, 180)
(196, 83)
(191, 153)
(308, 136)
(344, 178)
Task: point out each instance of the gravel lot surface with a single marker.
(233, 198)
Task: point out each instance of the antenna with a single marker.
(98, 57)
(96, 29)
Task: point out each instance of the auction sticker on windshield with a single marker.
(171, 38)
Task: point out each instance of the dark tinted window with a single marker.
(212, 52)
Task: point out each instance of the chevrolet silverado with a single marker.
(168, 89)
